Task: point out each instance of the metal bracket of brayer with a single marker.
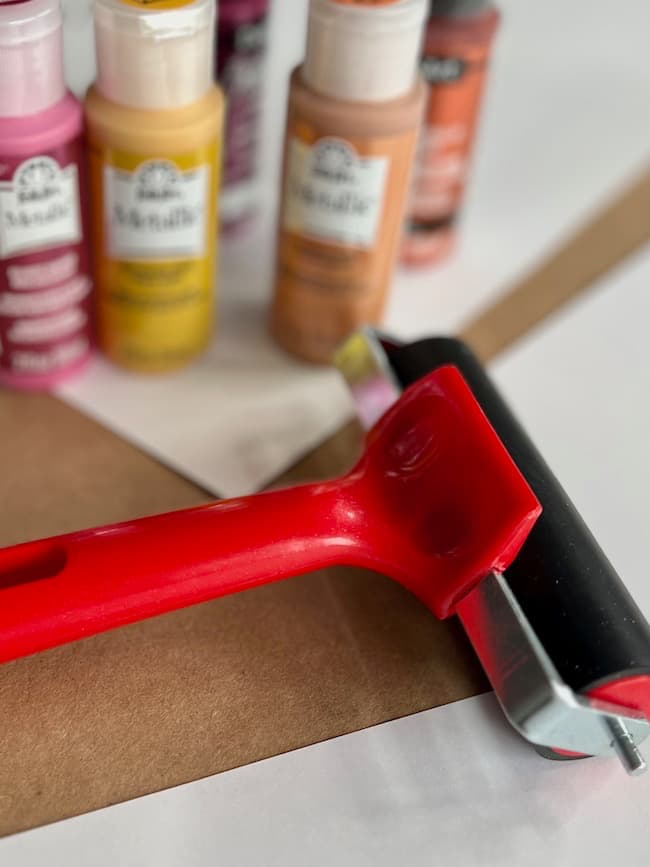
(533, 695)
(534, 698)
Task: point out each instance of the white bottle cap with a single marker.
(364, 52)
(31, 57)
(154, 58)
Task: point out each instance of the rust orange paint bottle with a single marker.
(154, 120)
(457, 48)
(354, 112)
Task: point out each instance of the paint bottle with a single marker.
(354, 111)
(457, 48)
(45, 284)
(241, 52)
(154, 120)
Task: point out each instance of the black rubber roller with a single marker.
(584, 616)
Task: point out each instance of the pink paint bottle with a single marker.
(45, 284)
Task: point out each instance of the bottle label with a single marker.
(155, 251)
(456, 82)
(157, 211)
(45, 284)
(39, 207)
(333, 193)
(240, 65)
(339, 231)
(437, 69)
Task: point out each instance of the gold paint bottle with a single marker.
(154, 120)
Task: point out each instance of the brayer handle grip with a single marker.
(435, 502)
(68, 587)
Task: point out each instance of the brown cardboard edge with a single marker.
(221, 685)
(606, 240)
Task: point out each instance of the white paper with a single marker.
(565, 123)
(452, 786)
(455, 785)
(238, 417)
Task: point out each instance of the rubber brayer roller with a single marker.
(564, 645)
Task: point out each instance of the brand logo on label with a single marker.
(333, 193)
(335, 161)
(37, 180)
(158, 182)
(157, 211)
(442, 70)
(39, 207)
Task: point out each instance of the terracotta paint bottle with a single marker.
(241, 51)
(45, 285)
(154, 119)
(457, 47)
(354, 111)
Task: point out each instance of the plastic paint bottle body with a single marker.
(353, 119)
(155, 184)
(45, 284)
(457, 48)
(241, 52)
(154, 121)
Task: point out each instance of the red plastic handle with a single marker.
(436, 503)
(61, 589)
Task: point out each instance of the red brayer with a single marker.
(561, 639)
(436, 503)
